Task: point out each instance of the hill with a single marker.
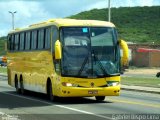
(134, 24)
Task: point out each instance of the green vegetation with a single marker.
(3, 70)
(139, 81)
(134, 24)
(2, 46)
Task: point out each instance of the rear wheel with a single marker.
(22, 87)
(100, 98)
(17, 85)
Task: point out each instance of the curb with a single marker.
(138, 90)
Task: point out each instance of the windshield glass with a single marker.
(89, 52)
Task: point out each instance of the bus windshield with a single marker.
(89, 52)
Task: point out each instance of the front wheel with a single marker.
(50, 94)
(100, 98)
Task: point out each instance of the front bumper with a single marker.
(89, 92)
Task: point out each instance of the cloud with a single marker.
(131, 3)
(65, 8)
(33, 11)
(27, 13)
(95, 4)
(146, 2)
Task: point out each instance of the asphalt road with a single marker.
(35, 106)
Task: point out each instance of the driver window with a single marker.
(57, 66)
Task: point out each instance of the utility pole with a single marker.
(109, 11)
(12, 13)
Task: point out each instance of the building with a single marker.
(145, 55)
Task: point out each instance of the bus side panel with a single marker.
(34, 67)
(36, 70)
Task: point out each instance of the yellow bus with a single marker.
(65, 58)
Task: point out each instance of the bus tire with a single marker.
(50, 94)
(17, 85)
(100, 98)
(22, 86)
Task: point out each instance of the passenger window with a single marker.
(55, 36)
(16, 45)
(12, 44)
(22, 41)
(34, 40)
(28, 41)
(47, 38)
(9, 42)
(41, 39)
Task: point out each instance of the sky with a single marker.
(33, 11)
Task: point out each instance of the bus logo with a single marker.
(92, 84)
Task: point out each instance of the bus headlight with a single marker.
(69, 84)
(113, 83)
(66, 84)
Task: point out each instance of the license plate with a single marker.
(92, 92)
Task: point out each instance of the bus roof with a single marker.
(65, 22)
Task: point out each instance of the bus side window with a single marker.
(47, 38)
(34, 40)
(57, 66)
(22, 41)
(44, 39)
(28, 40)
(9, 42)
(41, 39)
(37, 39)
(12, 44)
(16, 44)
(55, 37)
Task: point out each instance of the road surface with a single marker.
(35, 106)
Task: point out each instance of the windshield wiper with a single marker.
(100, 64)
(82, 67)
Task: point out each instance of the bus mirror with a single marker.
(58, 50)
(125, 55)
